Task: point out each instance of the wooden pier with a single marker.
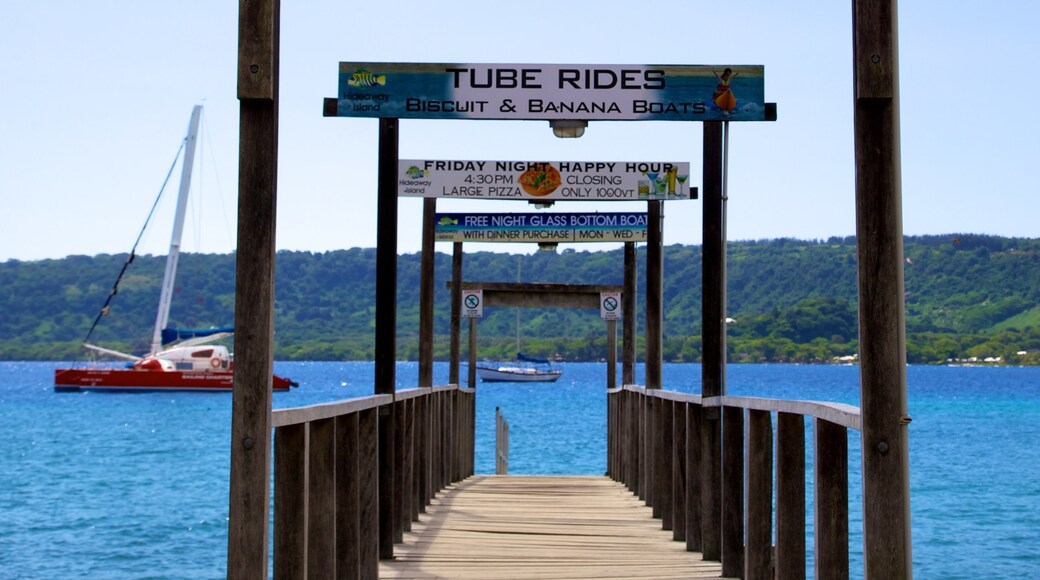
(354, 479)
(541, 527)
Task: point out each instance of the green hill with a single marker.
(790, 300)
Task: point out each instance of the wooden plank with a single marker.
(368, 491)
(290, 502)
(663, 462)
(790, 497)
(733, 491)
(348, 491)
(401, 516)
(297, 415)
(321, 499)
(679, 472)
(758, 554)
(541, 527)
(831, 513)
(694, 517)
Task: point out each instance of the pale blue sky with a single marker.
(96, 97)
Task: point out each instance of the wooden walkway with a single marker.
(566, 527)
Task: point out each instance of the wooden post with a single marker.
(471, 372)
(831, 513)
(694, 528)
(611, 354)
(321, 499)
(712, 328)
(348, 500)
(628, 312)
(456, 312)
(882, 334)
(290, 502)
(654, 307)
(679, 471)
(368, 492)
(426, 294)
(758, 526)
(790, 496)
(249, 489)
(386, 327)
(663, 462)
(733, 492)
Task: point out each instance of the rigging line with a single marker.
(133, 251)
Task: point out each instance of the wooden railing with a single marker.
(327, 512)
(657, 438)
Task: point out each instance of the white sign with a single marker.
(610, 305)
(472, 303)
(545, 180)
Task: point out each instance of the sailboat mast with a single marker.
(166, 294)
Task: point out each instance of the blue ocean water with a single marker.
(135, 485)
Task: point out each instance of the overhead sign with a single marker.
(610, 305)
(472, 303)
(540, 227)
(552, 91)
(545, 180)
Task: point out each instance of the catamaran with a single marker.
(177, 360)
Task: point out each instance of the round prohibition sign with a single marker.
(610, 303)
(472, 301)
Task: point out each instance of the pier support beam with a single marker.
(258, 24)
(386, 327)
(713, 342)
(882, 327)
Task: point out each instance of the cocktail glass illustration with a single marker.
(644, 188)
(653, 181)
(661, 186)
(681, 179)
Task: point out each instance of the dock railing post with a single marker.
(882, 326)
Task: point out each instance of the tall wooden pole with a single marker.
(628, 321)
(386, 326)
(713, 354)
(426, 294)
(654, 308)
(249, 494)
(882, 339)
(456, 312)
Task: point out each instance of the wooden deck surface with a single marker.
(566, 527)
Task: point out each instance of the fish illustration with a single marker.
(363, 78)
(415, 173)
(447, 221)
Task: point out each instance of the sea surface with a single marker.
(136, 485)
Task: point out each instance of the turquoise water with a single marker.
(135, 485)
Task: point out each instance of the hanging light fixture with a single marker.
(568, 128)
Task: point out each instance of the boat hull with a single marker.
(508, 375)
(101, 379)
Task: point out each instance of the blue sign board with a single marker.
(552, 91)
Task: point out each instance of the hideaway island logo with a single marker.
(362, 78)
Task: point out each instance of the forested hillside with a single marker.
(789, 300)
